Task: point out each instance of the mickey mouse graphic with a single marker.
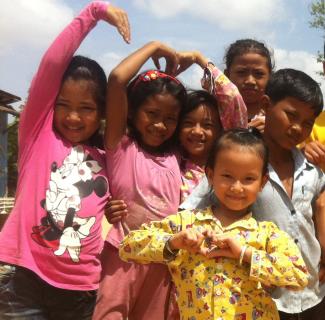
(62, 229)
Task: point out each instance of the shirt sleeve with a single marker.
(232, 108)
(280, 264)
(147, 244)
(38, 111)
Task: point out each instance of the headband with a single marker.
(152, 75)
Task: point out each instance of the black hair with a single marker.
(244, 46)
(296, 84)
(139, 91)
(250, 138)
(198, 97)
(83, 68)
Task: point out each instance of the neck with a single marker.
(227, 216)
(199, 161)
(253, 109)
(277, 154)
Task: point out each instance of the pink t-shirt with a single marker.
(55, 227)
(149, 184)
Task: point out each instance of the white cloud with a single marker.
(226, 14)
(109, 60)
(31, 23)
(300, 60)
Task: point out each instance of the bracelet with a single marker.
(169, 249)
(242, 253)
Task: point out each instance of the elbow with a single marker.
(117, 77)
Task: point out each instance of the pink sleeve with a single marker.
(38, 112)
(232, 108)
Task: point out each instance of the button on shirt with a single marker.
(295, 216)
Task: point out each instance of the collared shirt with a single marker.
(295, 216)
(220, 288)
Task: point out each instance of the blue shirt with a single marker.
(295, 216)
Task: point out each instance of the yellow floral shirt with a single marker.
(219, 288)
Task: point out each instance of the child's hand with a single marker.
(315, 152)
(187, 58)
(189, 239)
(258, 122)
(115, 211)
(119, 19)
(168, 54)
(224, 245)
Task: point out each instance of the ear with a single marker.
(265, 103)
(265, 179)
(226, 72)
(209, 174)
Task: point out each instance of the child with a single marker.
(249, 64)
(53, 234)
(220, 257)
(199, 128)
(292, 102)
(144, 172)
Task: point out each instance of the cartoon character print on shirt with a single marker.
(62, 229)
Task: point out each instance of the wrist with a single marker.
(200, 59)
(171, 244)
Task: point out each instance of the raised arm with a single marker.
(232, 109)
(116, 101)
(45, 86)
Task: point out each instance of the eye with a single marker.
(241, 72)
(250, 179)
(226, 175)
(290, 114)
(187, 123)
(209, 125)
(259, 74)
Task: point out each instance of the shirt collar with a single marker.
(247, 223)
(300, 163)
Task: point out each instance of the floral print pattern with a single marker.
(220, 288)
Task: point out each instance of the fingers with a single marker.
(192, 240)
(156, 62)
(315, 152)
(115, 211)
(119, 18)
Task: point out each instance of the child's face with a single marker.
(157, 118)
(288, 122)
(250, 73)
(198, 131)
(237, 178)
(76, 114)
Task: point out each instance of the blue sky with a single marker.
(28, 27)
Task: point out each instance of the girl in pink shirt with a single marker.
(142, 120)
(52, 238)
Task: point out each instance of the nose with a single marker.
(197, 129)
(296, 128)
(250, 79)
(236, 187)
(73, 116)
(160, 126)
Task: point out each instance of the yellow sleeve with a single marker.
(281, 263)
(147, 244)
